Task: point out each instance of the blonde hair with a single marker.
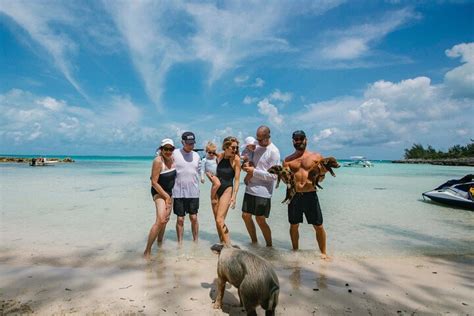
(228, 141)
(211, 146)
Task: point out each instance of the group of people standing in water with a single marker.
(176, 173)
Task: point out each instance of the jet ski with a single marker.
(456, 192)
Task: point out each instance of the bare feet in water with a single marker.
(325, 257)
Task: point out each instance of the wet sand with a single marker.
(89, 282)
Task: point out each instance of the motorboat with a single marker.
(455, 192)
(42, 162)
(359, 161)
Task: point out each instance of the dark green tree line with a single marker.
(417, 151)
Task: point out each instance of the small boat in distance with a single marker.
(42, 162)
(359, 161)
(455, 192)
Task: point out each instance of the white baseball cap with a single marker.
(250, 141)
(167, 141)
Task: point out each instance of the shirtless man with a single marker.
(306, 200)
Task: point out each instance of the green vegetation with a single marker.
(417, 151)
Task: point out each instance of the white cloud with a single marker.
(393, 113)
(346, 48)
(249, 100)
(36, 18)
(354, 47)
(51, 103)
(228, 33)
(259, 82)
(460, 80)
(325, 133)
(277, 95)
(270, 111)
(243, 81)
(58, 124)
(239, 80)
(143, 26)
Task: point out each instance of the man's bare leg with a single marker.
(180, 228)
(295, 235)
(266, 231)
(194, 226)
(321, 239)
(250, 225)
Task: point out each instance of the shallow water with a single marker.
(104, 205)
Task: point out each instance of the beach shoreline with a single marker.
(29, 159)
(185, 285)
(465, 162)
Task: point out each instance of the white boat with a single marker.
(359, 161)
(454, 193)
(41, 162)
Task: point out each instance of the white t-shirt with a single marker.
(208, 165)
(262, 182)
(188, 169)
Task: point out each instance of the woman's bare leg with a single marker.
(222, 209)
(159, 225)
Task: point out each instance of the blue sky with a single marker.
(115, 77)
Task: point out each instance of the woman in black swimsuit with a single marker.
(163, 175)
(228, 172)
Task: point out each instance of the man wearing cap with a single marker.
(259, 189)
(186, 188)
(306, 200)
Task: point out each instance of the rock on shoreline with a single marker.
(444, 162)
(28, 160)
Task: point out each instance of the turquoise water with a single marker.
(104, 203)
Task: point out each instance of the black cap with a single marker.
(299, 133)
(188, 137)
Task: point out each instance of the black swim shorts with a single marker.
(183, 206)
(306, 203)
(256, 205)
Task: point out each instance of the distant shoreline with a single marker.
(469, 162)
(29, 159)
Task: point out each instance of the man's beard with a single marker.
(300, 146)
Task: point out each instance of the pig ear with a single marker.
(217, 248)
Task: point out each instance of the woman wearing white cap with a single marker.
(163, 175)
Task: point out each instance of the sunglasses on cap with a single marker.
(299, 138)
(167, 149)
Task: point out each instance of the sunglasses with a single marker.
(234, 148)
(167, 149)
(298, 139)
(263, 139)
(211, 153)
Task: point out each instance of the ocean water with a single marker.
(104, 204)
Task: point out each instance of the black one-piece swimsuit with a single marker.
(226, 174)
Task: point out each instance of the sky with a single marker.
(115, 77)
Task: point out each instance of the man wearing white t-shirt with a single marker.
(186, 186)
(258, 193)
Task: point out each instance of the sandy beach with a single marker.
(88, 282)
